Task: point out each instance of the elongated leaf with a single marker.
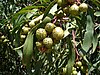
(46, 0)
(96, 2)
(87, 41)
(17, 41)
(25, 10)
(19, 13)
(71, 58)
(48, 9)
(66, 33)
(28, 50)
(71, 62)
(97, 13)
(53, 9)
(32, 7)
(95, 42)
(93, 66)
(19, 53)
(18, 23)
(88, 34)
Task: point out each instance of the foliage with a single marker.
(19, 53)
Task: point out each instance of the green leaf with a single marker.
(19, 20)
(53, 9)
(24, 11)
(88, 34)
(48, 9)
(19, 53)
(93, 66)
(28, 50)
(87, 41)
(96, 2)
(71, 62)
(32, 7)
(66, 33)
(29, 15)
(17, 39)
(97, 13)
(71, 58)
(95, 42)
(19, 13)
(46, 1)
(18, 23)
(46, 20)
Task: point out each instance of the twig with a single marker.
(55, 19)
(78, 1)
(73, 34)
(19, 47)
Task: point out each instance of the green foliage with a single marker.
(81, 40)
(28, 50)
(88, 34)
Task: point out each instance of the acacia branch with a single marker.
(74, 44)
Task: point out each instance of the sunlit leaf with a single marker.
(19, 53)
(97, 13)
(32, 13)
(53, 9)
(48, 9)
(66, 33)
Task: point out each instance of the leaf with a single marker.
(97, 13)
(95, 42)
(17, 39)
(46, 20)
(25, 10)
(48, 9)
(71, 58)
(32, 7)
(19, 20)
(87, 41)
(19, 13)
(18, 23)
(96, 2)
(46, 1)
(28, 50)
(71, 62)
(66, 33)
(93, 66)
(53, 9)
(29, 15)
(88, 34)
(19, 53)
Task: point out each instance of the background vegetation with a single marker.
(81, 42)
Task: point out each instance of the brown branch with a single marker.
(74, 44)
(54, 19)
